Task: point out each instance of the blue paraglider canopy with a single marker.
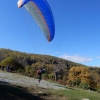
(42, 14)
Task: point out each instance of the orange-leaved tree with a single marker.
(81, 76)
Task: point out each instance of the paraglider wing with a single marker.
(42, 14)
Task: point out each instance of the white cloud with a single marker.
(98, 57)
(76, 58)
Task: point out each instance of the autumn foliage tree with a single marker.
(10, 61)
(81, 77)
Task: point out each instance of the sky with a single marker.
(77, 30)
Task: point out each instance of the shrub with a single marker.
(45, 76)
(84, 86)
(51, 76)
(32, 72)
(20, 70)
(98, 90)
(60, 81)
(27, 69)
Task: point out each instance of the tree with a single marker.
(11, 62)
(81, 76)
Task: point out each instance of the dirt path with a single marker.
(25, 81)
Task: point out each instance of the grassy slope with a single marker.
(76, 94)
(68, 94)
(12, 92)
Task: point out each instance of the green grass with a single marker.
(13, 92)
(77, 94)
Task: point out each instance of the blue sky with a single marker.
(77, 35)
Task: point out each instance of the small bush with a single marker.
(65, 80)
(51, 76)
(98, 90)
(45, 76)
(27, 70)
(32, 72)
(20, 70)
(84, 86)
(60, 81)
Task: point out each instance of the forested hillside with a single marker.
(35, 60)
(69, 73)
